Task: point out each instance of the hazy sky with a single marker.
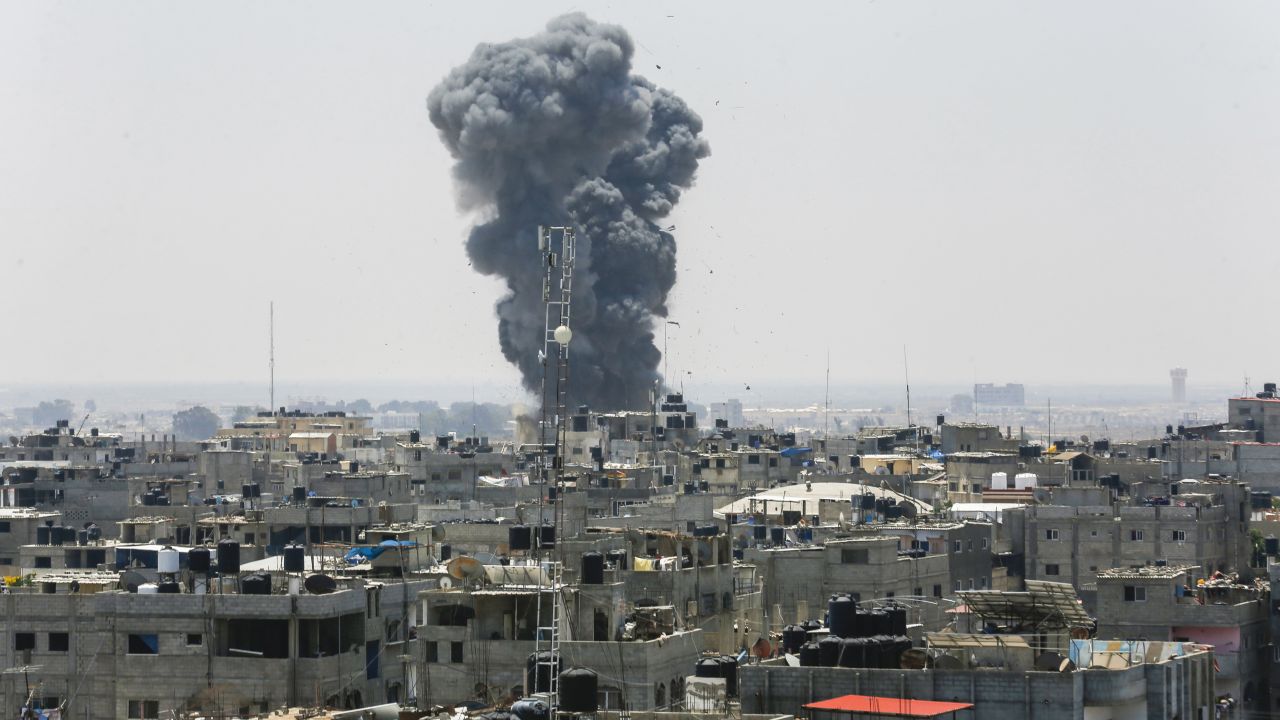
(1018, 191)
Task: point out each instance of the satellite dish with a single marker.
(446, 583)
(465, 568)
(909, 509)
(130, 581)
(319, 584)
(762, 648)
(914, 659)
(947, 662)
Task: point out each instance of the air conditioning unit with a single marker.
(692, 610)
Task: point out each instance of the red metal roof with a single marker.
(888, 706)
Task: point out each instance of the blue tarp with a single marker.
(793, 451)
(357, 555)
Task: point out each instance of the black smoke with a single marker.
(555, 129)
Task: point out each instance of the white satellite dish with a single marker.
(841, 517)
(446, 583)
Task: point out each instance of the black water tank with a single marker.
(593, 568)
(689, 488)
(809, 655)
(793, 636)
(530, 709)
(246, 491)
(82, 537)
(578, 688)
(851, 652)
(148, 498)
(415, 436)
(95, 533)
(169, 587)
(877, 622)
(42, 535)
(1272, 545)
(707, 668)
(519, 537)
(778, 536)
(256, 584)
(891, 652)
(446, 551)
(299, 494)
(228, 557)
(868, 501)
(871, 651)
(790, 517)
(810, 625)
(841, 613)
(55, 535)
(618, 558)
(761, 532)
(295, 558)
(539, 680)
(547, 539)
(829, 651)
(897, 620)
(198, 560)
(729, 671)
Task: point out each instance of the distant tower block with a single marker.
(1179, 377)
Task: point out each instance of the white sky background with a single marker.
(959, 177)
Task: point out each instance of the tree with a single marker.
(47, 414)
(198, 423)
(90, 406)
(242, 413)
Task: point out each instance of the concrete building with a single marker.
(18, 528)
(1178, 377)
(1165, 604)
(1009, 395)
(445, 471)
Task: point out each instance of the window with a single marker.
(753, 459)
(417, 456)
(937, 591)
(44, 562)
(982, 583)
(1179, 535)
(970, 583)
(455, 474)
(4, 526)
(970, 546)
(1135, 593)
(455, 652)
(1135, 535)
(719, 463)
(194, 639)
(144, 709)
(958, 586)
(248, 538)
(919, 592)
(1051, 534)
(854, 556)
(143, 644)
(1093, 533)
(433, 652)
(1051, 569)
(985, 543)
(773, 462)
(58, 642)
(956, 546)
(24, 641)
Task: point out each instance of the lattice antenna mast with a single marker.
(558, 249)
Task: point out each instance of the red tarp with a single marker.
(888, 707)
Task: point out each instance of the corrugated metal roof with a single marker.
(888, 706)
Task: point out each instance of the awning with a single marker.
(888, 706)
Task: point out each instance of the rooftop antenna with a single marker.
(271, 321)
(826, 402)
(906, 374)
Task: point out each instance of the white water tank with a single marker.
(1022, 481)
(167, 560)
(148, 589)
(999, 481)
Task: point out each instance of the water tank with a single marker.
(778, 536)
(999, 481)
(148, 589)
(547, 539)
(851, 652)
(539, 681)
(95, 533)
(299, 494)
(793, 636)
(519, 537)
(897, 620)
(82, 537)
(829, 651)
(148, 498)
(295, 558)
(228, 557)
(840, 620)
(689, 488)
(811, 625)
(529, 709)
(167, 560)
(707, 668)
(761, 532)
(809, 655)
(868, 501)
(256, 584)
(170, 587)
(871, 651)
(55, 535)
(899, 644)
(42, 535)
(790, 517)
(877, 622)
(1022, 481)
(618, 558)
(446, 551)
(246, 491)
(578, 687)
(729, 671)
(1272, 545)
(593, 568)
(198, 560)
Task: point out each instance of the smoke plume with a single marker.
(555, 129)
